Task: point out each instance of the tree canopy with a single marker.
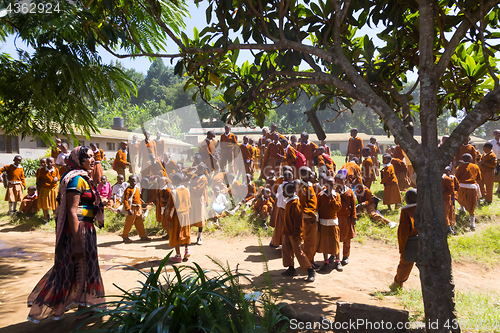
(59, 84)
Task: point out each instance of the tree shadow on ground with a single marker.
(67, 323)
(297, 292)
(19, 222)
(270, 253)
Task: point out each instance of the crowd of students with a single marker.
(311, 205)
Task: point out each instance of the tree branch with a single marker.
(486, 55)
(481, 112)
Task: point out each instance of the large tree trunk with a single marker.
(434, 260)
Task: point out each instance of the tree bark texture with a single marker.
(434, 260)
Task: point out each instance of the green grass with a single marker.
(242, 223)
(482, 246)
(477, 312)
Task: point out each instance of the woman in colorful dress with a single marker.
(75, 276)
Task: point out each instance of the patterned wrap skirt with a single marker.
(71, 280)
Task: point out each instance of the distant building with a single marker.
(107, 140)
(336, 141)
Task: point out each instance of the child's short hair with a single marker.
(32, 188)
(411, 196)
(287, 175)
(177, 178)
(304, 171)
(387, 156)
(488, 144)
(286, 168)
(467, 157)
(366, 150)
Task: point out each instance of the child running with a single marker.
(132, 205)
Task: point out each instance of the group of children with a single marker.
(311, 212)
(42, 196)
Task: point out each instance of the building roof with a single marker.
(106, 133)
(220, 130)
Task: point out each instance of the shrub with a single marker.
(190, 300)
(107, 164)
(30, 166)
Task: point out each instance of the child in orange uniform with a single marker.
(346, 215)
(48, 179)
(29, 205)
(405, 230)
(162, 198)
(199, 200)
(178, 213)
(132, 205)
(365, 201)
(97, 172)
(279, 211)
(325, 163)
(329, 203)
(401, 172)
(15, 176)
(228, 144)
(468, 175)
(487, 166)
(292, 235)
(309, 204)
(121, 159)
(367, 167)
(264, 204)
(388, 178)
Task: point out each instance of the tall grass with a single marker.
(476, 312)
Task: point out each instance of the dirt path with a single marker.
(26, 255)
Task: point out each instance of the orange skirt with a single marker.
(278, 225)
(14, 193)
(179, 232)
(329, 239)
(347, 228)
(391, 194)
(47, 198)
(467, 197)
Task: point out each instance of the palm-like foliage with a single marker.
(190, 299)
(63, 79)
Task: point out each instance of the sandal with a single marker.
(127, 240)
